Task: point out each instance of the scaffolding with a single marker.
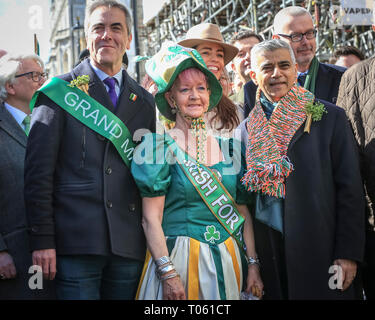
(177, 16)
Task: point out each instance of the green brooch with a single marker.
(81, 82)
(314, 112)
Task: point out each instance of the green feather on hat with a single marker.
(168, 63)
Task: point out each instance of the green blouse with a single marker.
(157, 173)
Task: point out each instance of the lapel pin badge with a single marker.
(133, 97)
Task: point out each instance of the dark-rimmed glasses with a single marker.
(34, 75)
(297, 37)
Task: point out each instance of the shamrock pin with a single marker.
(315, 112)
(81, 82)
(211, 235)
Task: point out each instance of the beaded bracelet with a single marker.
(169, 276)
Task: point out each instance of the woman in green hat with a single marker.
(198, 229)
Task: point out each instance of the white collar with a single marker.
(17, 114)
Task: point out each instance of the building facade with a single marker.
(67, 35)
(68, 38)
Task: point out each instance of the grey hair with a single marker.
(266, 46)
(293, 11)
(10, 64)
(109, 4)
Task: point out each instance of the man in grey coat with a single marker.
(309, 208)
(20, 77)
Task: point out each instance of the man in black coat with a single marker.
(20, 76)
(309, 206)
(295, 25)
(82, 202)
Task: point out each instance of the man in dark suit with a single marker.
(82, 202)
(295, 25)
(306, 179)
(20, 77)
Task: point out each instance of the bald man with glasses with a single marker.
(294, 25)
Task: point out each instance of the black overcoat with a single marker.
(324, 215)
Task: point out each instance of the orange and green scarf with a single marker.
(266, 154)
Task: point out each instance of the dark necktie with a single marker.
(301, 79)
(111, 82)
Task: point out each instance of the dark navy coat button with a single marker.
(109, 204)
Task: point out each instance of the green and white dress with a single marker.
(208, 260)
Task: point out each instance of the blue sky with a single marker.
(20, 19)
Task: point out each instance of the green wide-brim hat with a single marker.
(168, 63)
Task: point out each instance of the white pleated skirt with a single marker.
(208, 272)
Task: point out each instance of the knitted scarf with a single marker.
(266, 154)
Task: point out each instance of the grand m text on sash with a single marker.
(91, 113)
(87, 111)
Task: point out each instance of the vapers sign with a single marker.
(358, 12)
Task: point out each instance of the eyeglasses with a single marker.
(296, 37)
(34, 75)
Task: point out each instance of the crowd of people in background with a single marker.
(241, 170)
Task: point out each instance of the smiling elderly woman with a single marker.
(194, 207)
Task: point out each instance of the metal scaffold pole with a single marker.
(177, 16)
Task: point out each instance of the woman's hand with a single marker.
(254, 282)
(173, 289)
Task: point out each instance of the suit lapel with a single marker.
(10, 125)
(97, 89)
(126, 108)
(299, 133)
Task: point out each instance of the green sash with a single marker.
(91, 113)
(215, 196)
(311, 75)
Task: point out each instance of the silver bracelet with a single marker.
(162, 271)
(252, 260)
(164, 266)
(169, 276)
(162, 260)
